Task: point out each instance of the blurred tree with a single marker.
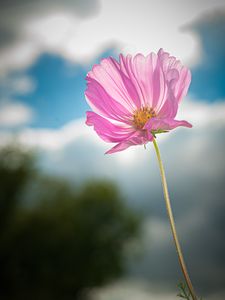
(16, 166)
(66, 242)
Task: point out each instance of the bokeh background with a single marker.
(76, 223)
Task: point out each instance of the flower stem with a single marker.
(172, 224)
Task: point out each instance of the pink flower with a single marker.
(136, 98)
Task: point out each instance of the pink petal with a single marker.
(115, 83)
(169, 108)
(116, 90)
(147, 75)
(129, 85)
(183, 84)
(181, 81)
(140, 70)
(103, 104)
(119, 147)
(159, 86)
(106, 130)
(155, 124)
(139, 138)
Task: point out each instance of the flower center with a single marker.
(141, 116)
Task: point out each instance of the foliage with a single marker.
(184, 292)
(61, 241)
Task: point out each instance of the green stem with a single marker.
(172, 224)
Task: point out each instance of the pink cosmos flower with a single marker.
(136, 98)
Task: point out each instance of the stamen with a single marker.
(141, 116)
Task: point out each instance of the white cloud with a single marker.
(14, 114)
(137, 26)
(22, 85)
(195, 166)
(202, 115)
(17, 84)
(75, 150)
(55, 139)
(132, 290)
(78, 143)
(19, 56)
(136, 290)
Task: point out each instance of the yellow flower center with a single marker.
(141, 116)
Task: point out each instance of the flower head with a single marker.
(136, 98)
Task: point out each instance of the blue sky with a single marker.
(208, 81)
(46, 50)
(58, 96)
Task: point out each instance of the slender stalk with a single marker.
(172, 224)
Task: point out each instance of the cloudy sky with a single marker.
(46, 49)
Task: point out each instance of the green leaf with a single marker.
(184, 292)
(154, 132)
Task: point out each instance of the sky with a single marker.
(47, 48)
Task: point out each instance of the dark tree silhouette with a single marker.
(58, 242)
